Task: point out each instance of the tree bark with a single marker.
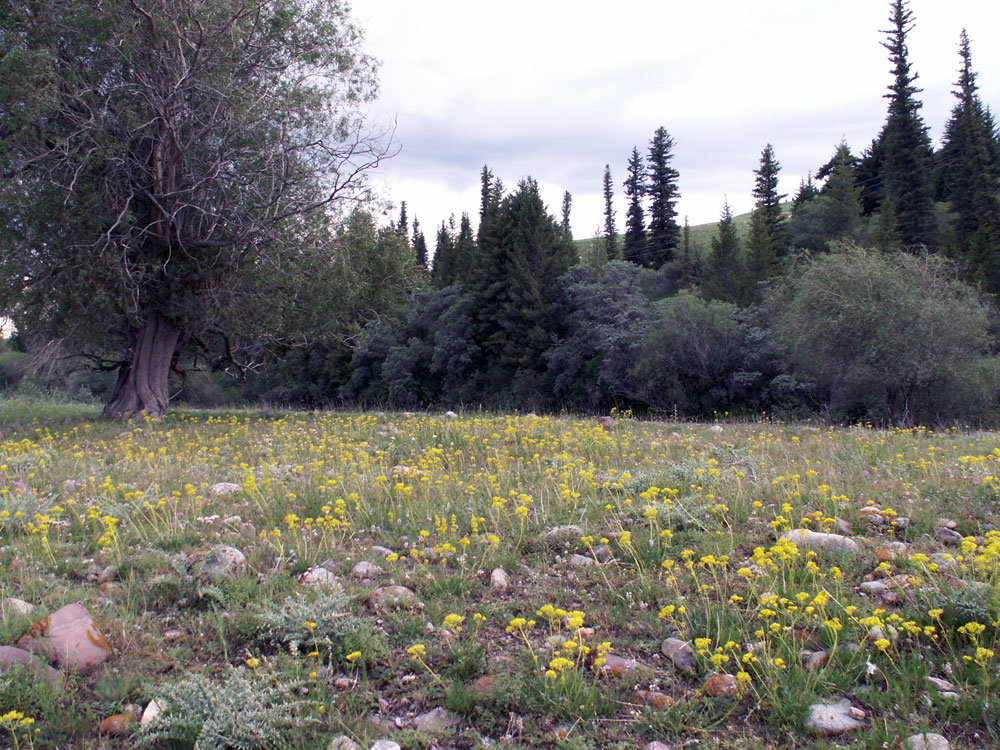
(142, 382)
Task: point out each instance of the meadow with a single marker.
(512, 581)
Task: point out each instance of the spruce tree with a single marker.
(466, 253)
(402, 226)
(689, 260)
(445, 270)
(806, 192)
(419, 246)
(840, 199)
(635, 223)
(725, 273)
(907, 167)
(766, 242)
(661, 187)
(611, 250)
(972, 163)
(567, 207)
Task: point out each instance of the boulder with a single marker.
(819, 540)
(680, 654)
(11, 657)
(68, 638)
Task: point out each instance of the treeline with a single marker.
(867, 296)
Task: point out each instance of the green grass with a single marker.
(692, 518)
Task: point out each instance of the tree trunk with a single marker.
(142, 383)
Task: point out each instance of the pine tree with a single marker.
(611, 249)
(971, 161)
(689, 260)
(664, 234)
(766, 242)
(445, 270)
(402, 226)
(806, 192)
(466, 253)
(907, 167)
(419, 246)
(567, 207)
(725, 273)
(635, 223)
(840, 199)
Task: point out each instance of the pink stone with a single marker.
(69, 638)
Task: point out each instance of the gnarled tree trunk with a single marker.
(142, 383)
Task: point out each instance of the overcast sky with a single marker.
(557, 89)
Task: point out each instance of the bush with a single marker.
(892, 338)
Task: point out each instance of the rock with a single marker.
(875, 588)
(483, 685)
(607, 423)
(150, 714)
(843, 527)
(653, 699)
(562, 535)
(716, 428)
(384, 551)
(820, 540)
(944, 560)
(499, 579)
(616, 666)
(947, 523)
(318, 576)
(69, 638)
(365, 569)
(107, 575)
(603, 553)
(224, 489)
(720, 685)
(223, 563)
(828, 719)
(12, 657)
(343, 742)
(581, 561)
(385, 745)
(436, 721)
(873, 514)
(115, 726)
(948, 536)
(927, 741)
(15, 607)
(450, 415)
(680, 654)
(656, 745)
(901, 522)
(393, 597)
(942, 686)
(816, 660)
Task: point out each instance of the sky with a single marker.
(555, 89)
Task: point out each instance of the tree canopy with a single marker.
(169, 166)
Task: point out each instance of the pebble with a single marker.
(384, 551)
(318, 576)
(393, 597)
(948, 536)
(450, 415)
(564, 534)
(581, 561)
(927, 741)
(820, 540)
(816, 660)
(385, 745)
(499, 579)
(150, 714)
(173, 635)
(657, 745)
(436, 721)
(115, 726)
(720, 685)
(483, 685)
(653, 699)
(680, 654)
(616, 666)
(365, 569)
(223, 489)
(17, 607)
(343, 742)
(942, 686)
(828, 719)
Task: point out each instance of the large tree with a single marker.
(611, 250)
(766, 242)
(170, 167)
(906, 147)
(635, 223)
(664, 234)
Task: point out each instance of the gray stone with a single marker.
(15, 608)
(450, 415)
(318, 576)
(656, 745)
(875, 588)
(948, 536)
(343, 742)
(581, 561)
(224, 489)
(218, 565)
(680, 654)
(499, 579)
(384, 551)
(564, 534)
(828, 719)
(436, 721)
(927, 741)
(820, 540)
(393, 597)
(365, 569)
(942, 686)
(150, 714)
(385, 745)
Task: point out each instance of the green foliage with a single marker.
(242, 711)
(888, 337)
(635, 223)
(725, 272)
(326, 608)
(661, 187)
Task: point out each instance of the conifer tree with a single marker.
(567, 208)
(840, 198)
(661, 187)
(402, 226)
(445, 270)
(690, 270)
(725, 272)
(466, 253)
(611, 249)
(907, 166)
(766, 242)
(806, 192)
(971, 161)
(419, 246)
(635, 223)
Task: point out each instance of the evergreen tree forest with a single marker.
(868, 295)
